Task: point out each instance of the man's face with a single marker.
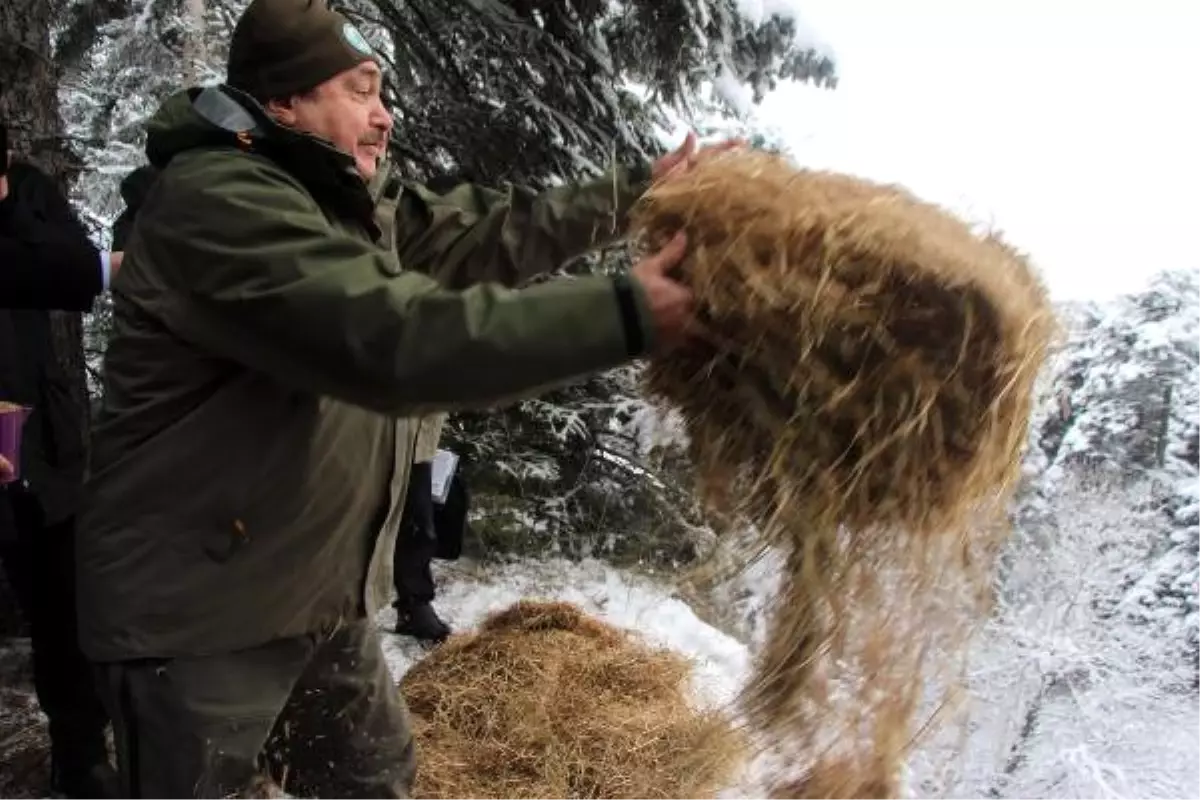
(346, 110)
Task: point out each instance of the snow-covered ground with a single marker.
(1152, 755)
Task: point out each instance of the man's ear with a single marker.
(283, 111)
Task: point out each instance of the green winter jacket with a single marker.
(265, 345)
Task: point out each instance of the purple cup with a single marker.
(12, 423)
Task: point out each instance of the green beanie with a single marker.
(282, 48)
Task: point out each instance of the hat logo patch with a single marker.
(356, 39)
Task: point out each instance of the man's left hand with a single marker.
(688, 155)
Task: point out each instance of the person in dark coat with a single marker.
(48, 263)
(46, 259)
(416, 547)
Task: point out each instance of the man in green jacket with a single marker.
(267, 348)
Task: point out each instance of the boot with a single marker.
(421, 622)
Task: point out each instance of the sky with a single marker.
(1065, 124)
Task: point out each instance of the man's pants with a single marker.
(40, 567)
(416, 541)
(320, 713)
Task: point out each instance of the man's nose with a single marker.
(381, 118)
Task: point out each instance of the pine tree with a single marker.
(534, 92)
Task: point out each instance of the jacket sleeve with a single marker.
(473, 235)
(47, 271)
(256, 273)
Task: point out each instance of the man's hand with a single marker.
(6, 468)
(672, 304)
(687, 156)
(4, 177)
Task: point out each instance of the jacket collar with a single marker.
(329, 174)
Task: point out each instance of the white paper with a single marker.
(444, 464)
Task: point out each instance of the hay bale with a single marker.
(860, 397)
(870, 356)
(544, 701)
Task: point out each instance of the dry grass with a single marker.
(544, 701)
(860, 397)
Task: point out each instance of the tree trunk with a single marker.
(29, 81)
(194, 50)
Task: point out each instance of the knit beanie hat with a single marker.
(282, 48)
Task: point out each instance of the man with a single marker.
(47, 262)
(265, 345)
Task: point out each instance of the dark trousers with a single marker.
(416, 541)
(39, 563)
(319, 713)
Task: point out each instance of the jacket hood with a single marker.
(177, 127)
(215, 116)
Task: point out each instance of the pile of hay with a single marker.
(544, 701)
(860, 397)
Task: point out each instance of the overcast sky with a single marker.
(1071, 126)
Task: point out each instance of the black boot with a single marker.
(79, 762)
(421, 622)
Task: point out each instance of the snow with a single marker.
(738, 95)
(808, 36)
(758, 11)
(727, 88)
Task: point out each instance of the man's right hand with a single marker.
(4, 177)
(672, 305)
